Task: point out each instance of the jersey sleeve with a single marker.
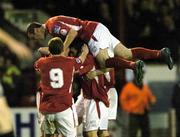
(38, 63)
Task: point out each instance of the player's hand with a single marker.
(91, 75)
(43, 51)
(85, 49)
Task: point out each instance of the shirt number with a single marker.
(56, 76)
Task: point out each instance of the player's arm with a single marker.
(44, 51)
(97, 72)
(84, 53)
(69, 38)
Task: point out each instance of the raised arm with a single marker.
(97, 72)
(84, 53)
(69, 38)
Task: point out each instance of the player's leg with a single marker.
(91, 118)
(48, 127)
(113, 103)
(103, 133)
(104, 61)
(104, 119)
(144, 53)
(40, 116)
(101, 57)
(91, 133)
(103, 50)
(79, 105)
(66, 123)
(120, 63)
(102, 47)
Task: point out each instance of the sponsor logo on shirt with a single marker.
(63, 32)
(56, 29)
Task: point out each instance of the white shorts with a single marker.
(91, 121)
(61, 123)
(104, 40)
(40, 116)
(79, 104)
(113, 101)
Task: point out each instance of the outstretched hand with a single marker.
(43, 51)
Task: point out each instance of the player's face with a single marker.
(39, 34)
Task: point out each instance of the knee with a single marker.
(122, 51)
(103, 133)
(91, 134)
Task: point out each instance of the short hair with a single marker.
(32, 26)
(55, 46)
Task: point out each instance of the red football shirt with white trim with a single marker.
(56, 82)
(60, 26)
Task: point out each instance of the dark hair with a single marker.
(55, 45)
(32, 26)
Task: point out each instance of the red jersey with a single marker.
(93, 89)
(60, 26)
(56, 81)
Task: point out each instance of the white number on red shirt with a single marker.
(56, 76)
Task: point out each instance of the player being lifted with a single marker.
(108, 50)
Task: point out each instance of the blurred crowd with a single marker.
(153, 23)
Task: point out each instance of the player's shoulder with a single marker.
(76, 60)
(68, 58)
(42, 59)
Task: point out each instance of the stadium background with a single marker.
(149, 23)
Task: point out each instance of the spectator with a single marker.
(136, 100)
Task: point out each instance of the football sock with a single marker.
(143, 53)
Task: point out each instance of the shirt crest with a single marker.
(56, 29)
